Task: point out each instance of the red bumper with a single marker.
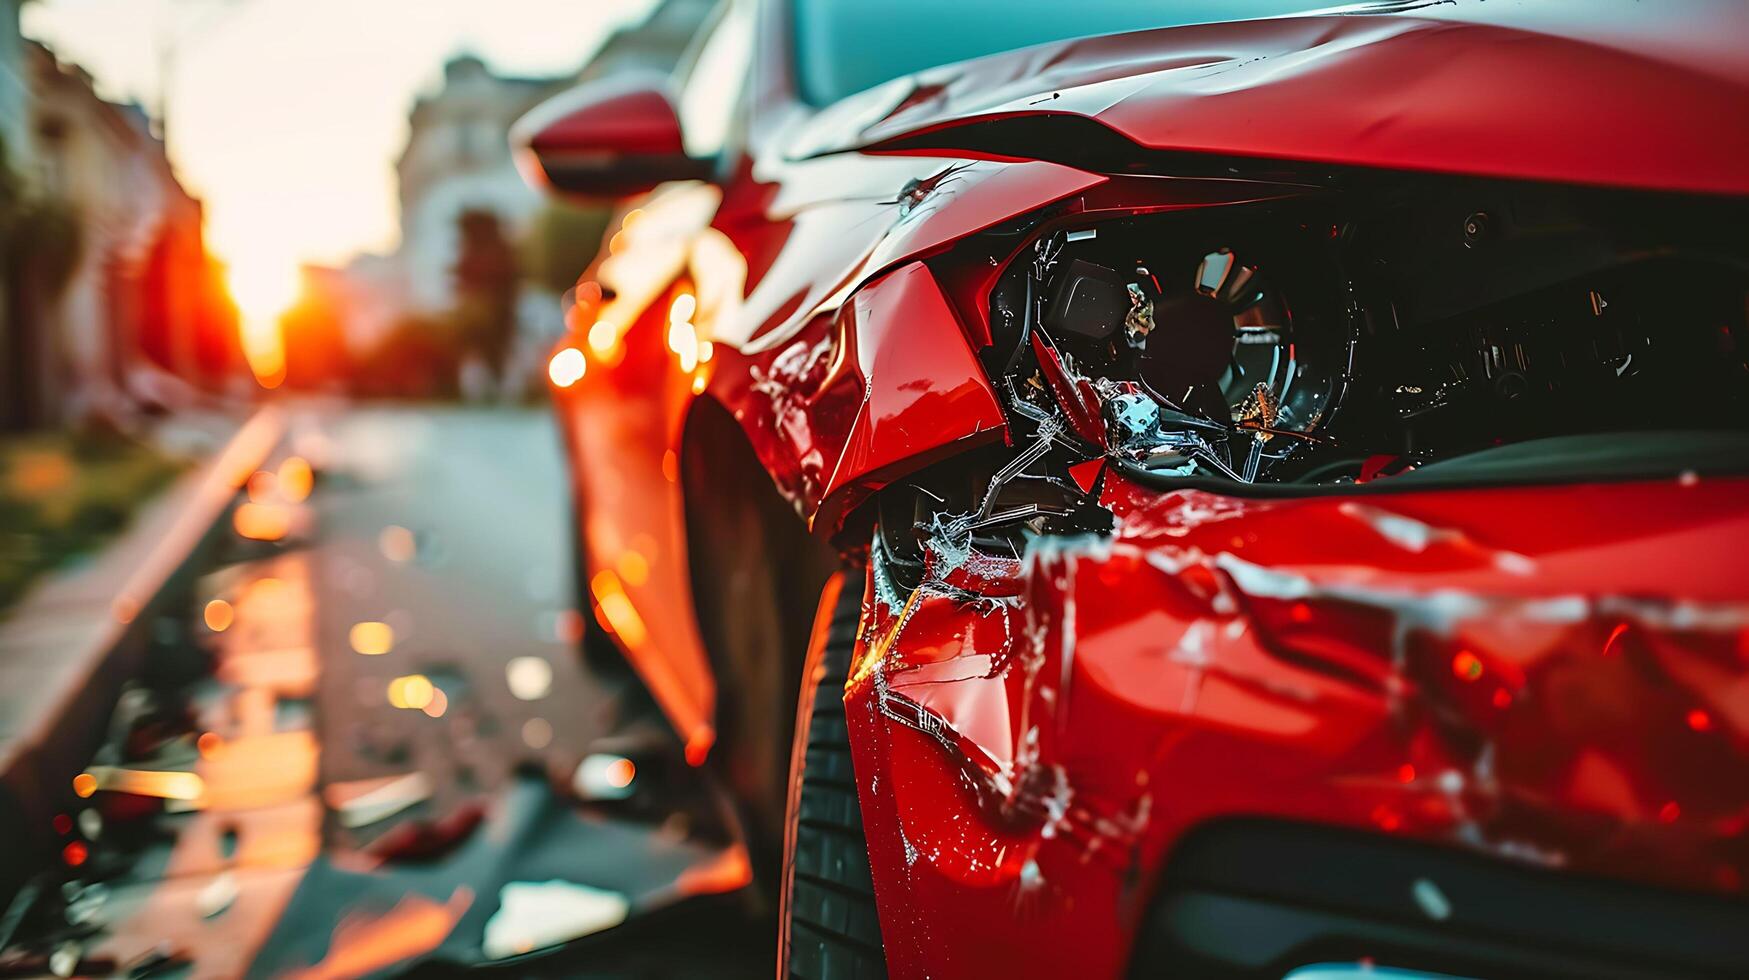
(1557, 676)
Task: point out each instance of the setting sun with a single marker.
(263, 290)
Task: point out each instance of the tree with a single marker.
(486, 277)
(39, 249)
(561, 243)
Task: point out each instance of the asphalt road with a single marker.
(389, 719)
(450, 527)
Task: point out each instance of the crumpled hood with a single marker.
(1603, 92)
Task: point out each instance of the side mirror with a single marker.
(610, 138)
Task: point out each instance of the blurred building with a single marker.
(456, 173)
(457, 161)
(15, 401)
(457, 158)
(114, 304)
(316, 352)
(657, 43)
(376, 291)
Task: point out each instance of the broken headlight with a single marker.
(1323, 342)
(1187, 346)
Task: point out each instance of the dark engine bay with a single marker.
(1416, 332)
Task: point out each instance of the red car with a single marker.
(1238, 499)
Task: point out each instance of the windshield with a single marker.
(842, 48)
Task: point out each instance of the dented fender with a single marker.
(1556, 676)
(883, 385)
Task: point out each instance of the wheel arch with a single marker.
(756, 574)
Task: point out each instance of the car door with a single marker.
(635, 344)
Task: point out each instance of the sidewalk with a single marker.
(70, 644)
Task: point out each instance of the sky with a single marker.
(286, 116)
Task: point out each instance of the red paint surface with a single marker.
(628, 116)
(629, 123)
(1538, 91)
(1437, 665)
(919, 393)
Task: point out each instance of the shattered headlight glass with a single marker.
(1370, 341)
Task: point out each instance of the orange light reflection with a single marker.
(218, 615)
(616, 607)
(726, 872)
(364, 944)
(296, 479)
(164, 784)
(262, 522)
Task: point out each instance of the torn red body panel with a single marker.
(1552, 676)
(796, 374)
(879, 384)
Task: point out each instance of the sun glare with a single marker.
(263, 288)
(263, 291)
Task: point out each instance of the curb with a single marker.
(68, 648)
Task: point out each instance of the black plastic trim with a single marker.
(1257, 898)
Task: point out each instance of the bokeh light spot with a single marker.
(567, 367)
(296, 479)
(262, 522)
(1467, 666)
(537, 733)
(438, 705)
(372, 639)
(412, 691)
(397, 543)
(682, 309)
(602, 336)
(529, 678)
(218, 615)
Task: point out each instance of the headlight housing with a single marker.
(1395, 334)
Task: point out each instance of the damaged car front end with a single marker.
(1364, 566)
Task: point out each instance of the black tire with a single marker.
(832, 932)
